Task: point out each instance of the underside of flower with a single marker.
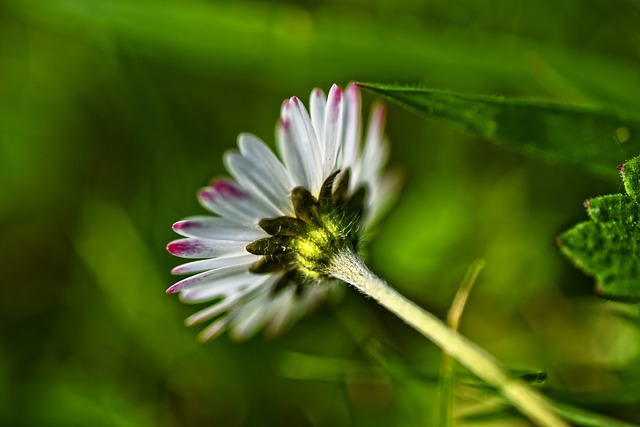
(265, 259)
(305, 245)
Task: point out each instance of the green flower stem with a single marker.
(348, 267)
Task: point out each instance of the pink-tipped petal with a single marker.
(218, 277)
(185, 247)
(199, 248)
(227, 199)
(213, 263)
(218, 229)
(228, 189)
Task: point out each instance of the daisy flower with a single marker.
(263, 258)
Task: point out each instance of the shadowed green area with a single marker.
(113, 113)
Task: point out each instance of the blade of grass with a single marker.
(447, 362)
(596, 138)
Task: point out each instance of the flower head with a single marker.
(263, 258)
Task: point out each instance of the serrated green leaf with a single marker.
(611, 208)
(631, 177)
(595, 138)
(608, 246)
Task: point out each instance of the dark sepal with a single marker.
(284, 226)
(305, 206)
(342, 188)
(326, 194)
(272, 263)
(271, 245)
(355, 205)
(288, 279)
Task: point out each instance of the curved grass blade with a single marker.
(595, 138)
(578, 416)
(447, 361)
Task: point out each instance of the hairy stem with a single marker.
(348, 267)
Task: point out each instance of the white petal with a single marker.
(251, 317)
(213, 330)
(306, 135)
(298, 145)
(226, 286)
(382, 198)
(217, 277)
(351, 128)
(210, 264)
(218, 228)
(200, 248)
(317, 106)
(228, 199)
(263, 159)
(376, 149)
(258, 184)
(332, 129)
(292, 157)
(285, 311)
(220, 307)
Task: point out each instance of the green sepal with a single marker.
(290, 278)
(285, 281)
(272, 263)
(284, 226)
(339, 197)
(271, 245)
(325, 199)
(305, 206)
(321, 227)
(355, 206)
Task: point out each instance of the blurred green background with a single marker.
(113, 113)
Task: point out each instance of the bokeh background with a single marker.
(113, 113)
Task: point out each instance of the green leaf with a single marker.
(596, 138)
(630, 172)
(608, 246)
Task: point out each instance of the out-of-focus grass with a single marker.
(113, 114)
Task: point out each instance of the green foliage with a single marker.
(595, 138)
(577, 416)
(608, 246)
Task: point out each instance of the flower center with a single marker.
(305, 245)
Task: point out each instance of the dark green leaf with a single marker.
(595, 138)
